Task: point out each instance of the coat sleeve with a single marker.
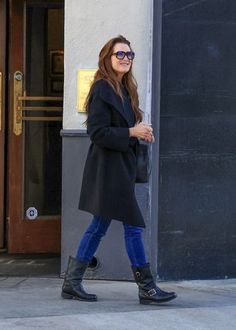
(99, 129)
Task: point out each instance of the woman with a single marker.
(114, 126)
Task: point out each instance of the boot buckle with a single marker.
(152, 292)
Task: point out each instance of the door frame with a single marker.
(24, 235)
(3, 31)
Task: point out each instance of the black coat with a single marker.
(110, 169)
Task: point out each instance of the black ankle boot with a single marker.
(149, 293)
(72, 287)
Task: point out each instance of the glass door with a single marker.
(36, 94)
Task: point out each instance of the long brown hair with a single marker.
(106, 72)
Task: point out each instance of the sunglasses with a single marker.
(120, 55)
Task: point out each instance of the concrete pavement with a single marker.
(35, 303)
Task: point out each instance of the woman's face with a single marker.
(120, 66)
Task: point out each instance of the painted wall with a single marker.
(88, 26)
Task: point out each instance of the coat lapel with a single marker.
(109, 96)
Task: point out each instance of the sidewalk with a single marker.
(35, 303)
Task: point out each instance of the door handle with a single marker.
(17, 114)
(19, 110)
(1, 101)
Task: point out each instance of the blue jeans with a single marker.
(98, 228)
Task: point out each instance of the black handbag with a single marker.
(143, 164)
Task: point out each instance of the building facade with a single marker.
(185, 69)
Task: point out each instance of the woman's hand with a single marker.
(142, 131)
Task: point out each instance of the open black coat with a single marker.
(110, 169)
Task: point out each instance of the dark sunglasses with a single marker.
(120, 55)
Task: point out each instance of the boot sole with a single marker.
(144, 301)
(70, 296)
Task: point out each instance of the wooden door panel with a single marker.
(14, 143)
(41, 235)
(2, 114)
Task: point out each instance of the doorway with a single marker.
(31, 88)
